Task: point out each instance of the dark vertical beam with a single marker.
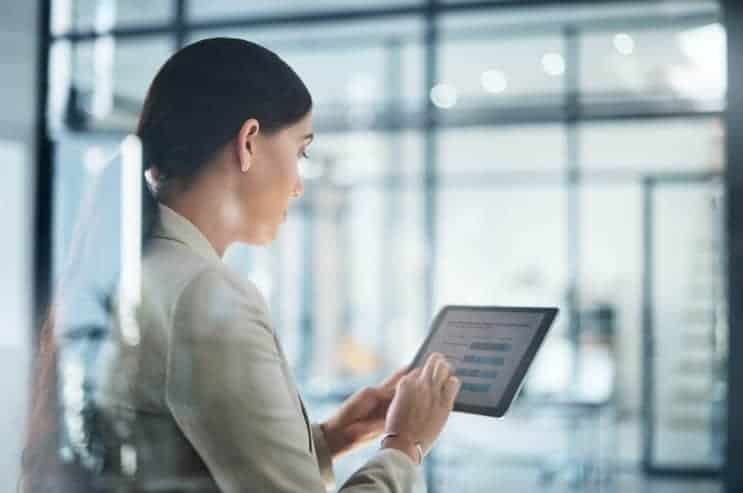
(180, 30)
(430, 185)
(430, 172)
(44, 179)
(389, 280)
(571, 41)
(648, 340)
(733, 19)
(573, 174)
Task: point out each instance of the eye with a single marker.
(304, 154)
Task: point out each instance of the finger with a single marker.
(414, 374)
(387, 390)
(451, 390)
(427, 375)
(441, 372)
(392, 380)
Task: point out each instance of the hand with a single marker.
(422, 404)
(361, 417)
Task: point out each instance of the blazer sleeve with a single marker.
(227, 392)
(324, 457)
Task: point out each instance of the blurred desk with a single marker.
(564, 439)
(585, 460)
(540, 441)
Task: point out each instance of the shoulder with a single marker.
(174, 267)
(189, 287)
(215, 299)
(215, 283)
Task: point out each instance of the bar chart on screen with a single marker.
(485, 349)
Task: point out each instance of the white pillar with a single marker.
(18, 50)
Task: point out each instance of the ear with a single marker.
(246, 143)
(152, 174)
(152, 178)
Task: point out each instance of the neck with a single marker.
(205, 211)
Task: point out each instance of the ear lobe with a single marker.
(248, 131)
(246, 156)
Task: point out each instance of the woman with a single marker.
(223, 126)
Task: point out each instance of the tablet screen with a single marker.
(490, 349)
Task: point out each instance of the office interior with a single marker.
(578, 154)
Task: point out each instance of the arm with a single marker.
(228, 393)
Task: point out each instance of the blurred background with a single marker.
(566, 154)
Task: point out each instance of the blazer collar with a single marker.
(173, 226)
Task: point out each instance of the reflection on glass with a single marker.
(346, 278)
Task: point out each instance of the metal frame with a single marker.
(180, 23)
(388, 292)
(44, 179)
(423, 9)
(430, 188)
(392, 119)
(733, 469)
(571, 41)
(569, 111)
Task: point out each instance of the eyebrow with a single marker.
(309, 136)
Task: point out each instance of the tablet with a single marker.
(490, 348)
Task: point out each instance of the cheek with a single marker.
(279, 173)
(287, 169)
(282, 176)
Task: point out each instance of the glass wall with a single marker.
(688, 321)
(470, 155)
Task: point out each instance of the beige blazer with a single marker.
(209, 397)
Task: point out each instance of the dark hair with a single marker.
(201, 97)
(196, 103)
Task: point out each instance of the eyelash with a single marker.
(304, 155)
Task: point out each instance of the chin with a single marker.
(263, 240)
(269, 237)
(258, 240)
(268, 241)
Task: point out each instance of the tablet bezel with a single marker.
(499, 410)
